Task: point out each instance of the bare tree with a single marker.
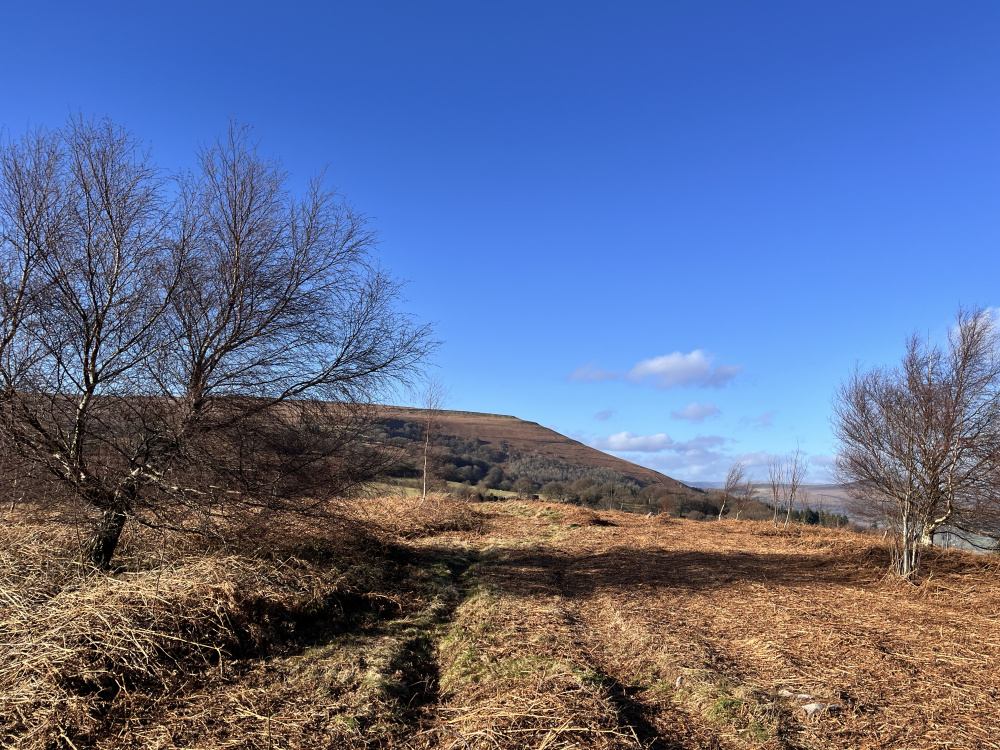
(743, 496)
(167, 360)
(525, 488)
(736, 480)
(776, 483)
(785, 475)
(84, 227)
(796, 466)
(920, 443)
(432, 401)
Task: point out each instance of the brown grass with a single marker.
(497, 625)
(413, 517)
(740, 611)
(182, 646)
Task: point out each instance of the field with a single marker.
(499, 625)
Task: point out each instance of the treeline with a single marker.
(544, 470)
(483, 466)
(486, 471)
(698, 506)
(812, 517)
(628, 496)
(587, 491)
(450, 458)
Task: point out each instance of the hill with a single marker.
(520, 447)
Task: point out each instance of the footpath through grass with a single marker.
(498, 625)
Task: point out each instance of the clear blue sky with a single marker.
(622, 217)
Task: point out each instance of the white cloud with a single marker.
(699, 459)
(628, 442)
(678, 370)
(674, 370)
(756, 462)
(604, 416)
(704, 458)
(701, 442)
(696, 412)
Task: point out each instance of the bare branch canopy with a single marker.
(920, 443)
(165, 342)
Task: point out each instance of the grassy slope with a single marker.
(530, 437)
(503, 625)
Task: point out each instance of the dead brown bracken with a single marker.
(442, 624)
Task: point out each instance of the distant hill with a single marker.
(832, 498)
(519, 446)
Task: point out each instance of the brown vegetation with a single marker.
(440, 624)
(530, 438)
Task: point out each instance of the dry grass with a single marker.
(192, 647)
(497, 625)
(740, 611)
(412, 517)
(507, 681)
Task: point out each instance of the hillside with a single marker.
(444, 625)
(518, 438)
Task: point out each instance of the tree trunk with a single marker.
(427, 445)
(907, 555)
(100, 548)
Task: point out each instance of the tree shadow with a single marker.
(528, 571)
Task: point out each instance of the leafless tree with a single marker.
(796, 466)
(919, 444)
(736, 480)
(432, 401)
(166, 360)
(776, 483)
(743, 496)
(785, 475)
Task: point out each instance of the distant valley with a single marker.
(829, 497)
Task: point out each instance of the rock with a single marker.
(812, 709)
(795, 696)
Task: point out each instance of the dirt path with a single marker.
(536, 630)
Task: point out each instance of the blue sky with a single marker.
(667, 229)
